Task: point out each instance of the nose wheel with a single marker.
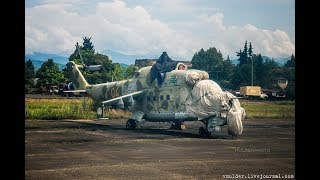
(131, 124)
(204, 133)
(178, 126)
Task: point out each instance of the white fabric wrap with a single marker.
(193, 76)
(235, 116)
(207, 99)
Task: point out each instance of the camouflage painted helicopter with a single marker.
(167, 92)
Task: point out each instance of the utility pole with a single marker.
(251, 71)
(216, 72)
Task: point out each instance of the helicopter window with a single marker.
(148, 98)
(161, 97)
(168, 97)
(154, 98)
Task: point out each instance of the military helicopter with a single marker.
(167, 92)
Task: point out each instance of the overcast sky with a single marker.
(180, 27)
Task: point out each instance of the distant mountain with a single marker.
(279, 60)
(37, 64)
(234, 61)
(124, 65)
(44, 57)
(118, 57)
(61, 66)
(38, 58)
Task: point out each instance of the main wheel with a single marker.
(131, 124)
(232, 135)
(203, 133)
(178, 126)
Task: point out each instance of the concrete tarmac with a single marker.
(104, 149)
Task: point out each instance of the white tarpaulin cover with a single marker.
(207, 99)
(193, 76)
(235, 116)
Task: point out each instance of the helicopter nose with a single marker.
(208, 99)
(235, 115)
(205, 100)
(234, 121)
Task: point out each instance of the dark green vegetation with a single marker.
(227, 75)
(29, 75)
(230, 76)
(50, 75)
(73, 109)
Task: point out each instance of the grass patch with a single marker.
(66, 109)
(73, 109)
(269, 109)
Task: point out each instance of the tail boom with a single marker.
(77, 78)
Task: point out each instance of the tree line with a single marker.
(50, 75)
(251, 69)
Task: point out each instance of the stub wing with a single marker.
(134, 94)
(76, 91)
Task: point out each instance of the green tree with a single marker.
(259, 70)
(226, 73)
(265, 72)
(91, 58)
(86, 50)
(291, 62)
(49, 74)
(87, 45)
(129, 72)
(290, 67)
(243, 71)
(118, 72)
(250, 52)
(212, 61)
(251, 64)
(29, 75)
(241, 76)
(245, 55)
(245, 49)
(290, 90)
(269, 77)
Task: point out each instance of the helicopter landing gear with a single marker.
(131, 124)
(232, 134)
(178, 126)
(204, 133)
(136, 118)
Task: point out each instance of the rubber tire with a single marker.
(202, 132)
(131, 124)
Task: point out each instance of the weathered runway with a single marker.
(104, 149)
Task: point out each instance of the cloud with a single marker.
(230, 39)
(57, 27)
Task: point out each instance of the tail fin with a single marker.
(77, 78)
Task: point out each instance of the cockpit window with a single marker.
(181, 66)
